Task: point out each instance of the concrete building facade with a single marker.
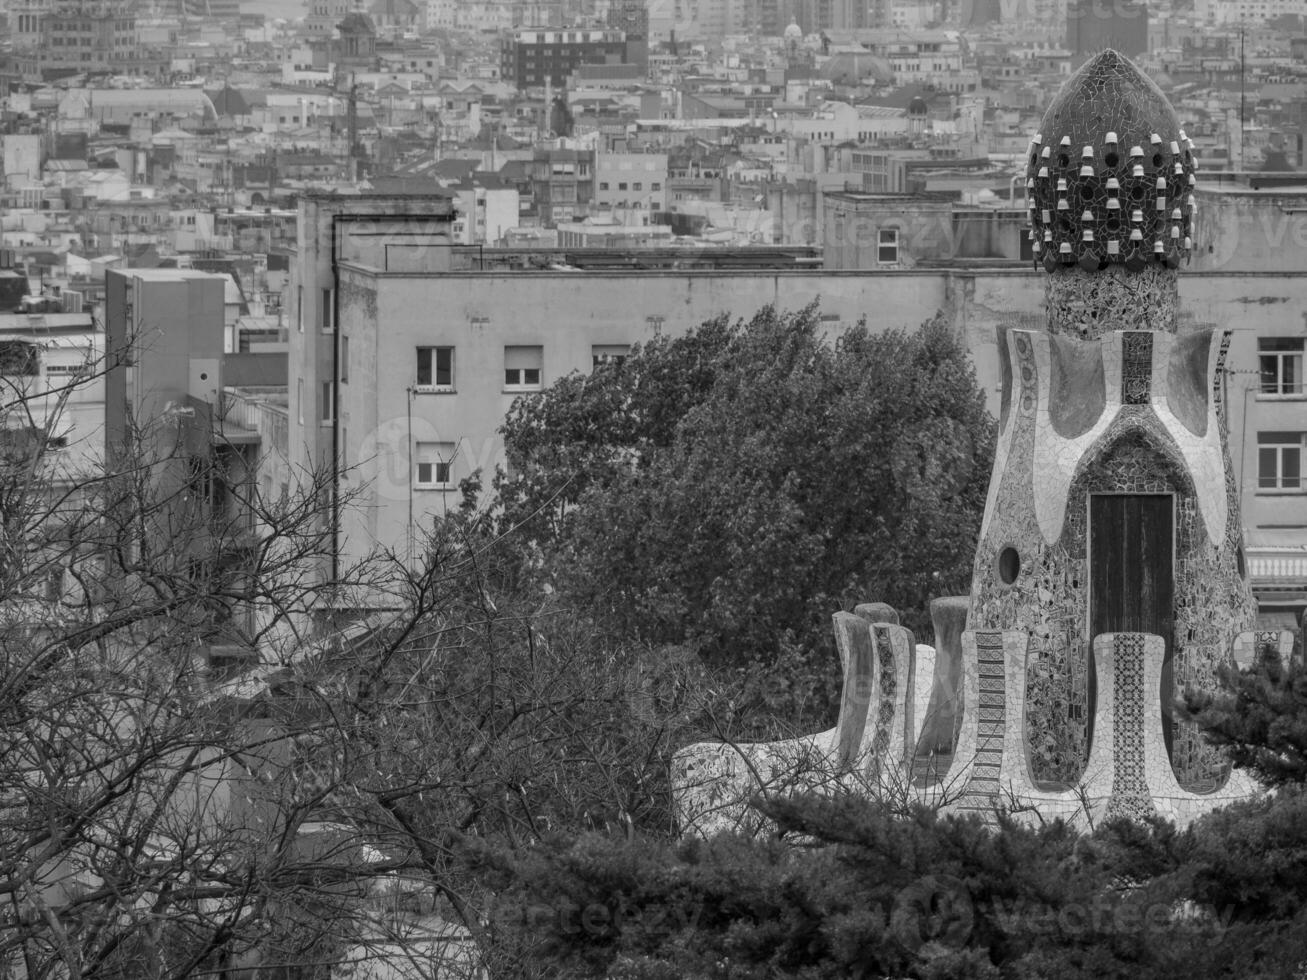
(1093, 25)
(436, 342)
(432, 356)
(631, 180)
(536, 58)
(50, 359)
(89, 37)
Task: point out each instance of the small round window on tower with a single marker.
(1009, 565)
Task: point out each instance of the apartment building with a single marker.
(166, 404)
(536, 58)
(631, 181)
(25, 21)
(48, 360)
(93, 36)
(435, 341)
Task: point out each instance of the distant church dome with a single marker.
(850, 68)
(794, 32)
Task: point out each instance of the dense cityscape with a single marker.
(367, 369)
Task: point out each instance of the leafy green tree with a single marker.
(729, 489)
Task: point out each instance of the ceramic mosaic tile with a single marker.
(1114, 394)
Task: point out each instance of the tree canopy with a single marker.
(729, 489)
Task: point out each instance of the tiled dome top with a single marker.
(1110, 174)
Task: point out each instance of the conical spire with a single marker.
(1110, 173)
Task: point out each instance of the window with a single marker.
(655, 323)
(1279, 361)
(603, 185)
(655, 186)
(887, 245)
(325, 318)
(327, 404)
(436, 367)
(434, 461)
(622, 186)
(523, 367)
(1279, 460)
(614, 354)
(61, 371)
(344, 360)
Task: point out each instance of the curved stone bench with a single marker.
(889, 694)
(867, 751)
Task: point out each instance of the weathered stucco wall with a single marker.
(479, 314)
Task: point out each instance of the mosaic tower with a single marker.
(1109, 573)
(1113, 505)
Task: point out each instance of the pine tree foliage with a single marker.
(1260, 717)
(852, 890)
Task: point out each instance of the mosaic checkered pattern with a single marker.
(888, 689)
(1136, 368)
(991, 723)
(1130, 796)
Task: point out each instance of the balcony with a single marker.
(263, 410)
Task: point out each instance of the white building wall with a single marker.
(21, 157)
(648, 170)
(480, 314)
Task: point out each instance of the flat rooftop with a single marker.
(168, 275)
(475, 259)
(46, 323)
(1264, 183)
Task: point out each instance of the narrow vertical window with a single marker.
(1279, 460)
(887, 245)
(435, 367)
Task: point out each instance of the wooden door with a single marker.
(1131, 574)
